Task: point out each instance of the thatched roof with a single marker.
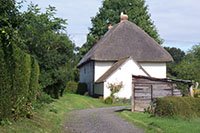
(124, 40)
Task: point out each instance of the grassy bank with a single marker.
(162, 125)
(50, 117)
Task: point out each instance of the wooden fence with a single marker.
(145, 89)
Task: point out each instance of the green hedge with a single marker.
(5, 86)
(78, 88)
(187, 107)
(108, 100)
(71, 87)
(18, 82)
(21, 80)
(34, 78)
(82, 88)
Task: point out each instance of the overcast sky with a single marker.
(177, 21)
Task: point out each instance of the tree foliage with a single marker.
(178, 56)
(45, 38)
(189, 68)
(31, 41)
(176, 53)
(10, 22)
(109, 14)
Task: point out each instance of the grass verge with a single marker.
(50, 117)
(162, 125)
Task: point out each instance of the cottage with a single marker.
(125, 50)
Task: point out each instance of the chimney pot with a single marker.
(110, 26)
(123, 17)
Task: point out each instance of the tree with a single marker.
(44, 38)
(109, 14)
(189, 68)
(10, 22)
(176, 53)
(178, 56)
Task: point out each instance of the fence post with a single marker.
(133, 97)
(151, 93)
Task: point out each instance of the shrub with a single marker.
(108, 100)
(82, 88)
(115, 88)
(42, 98)
(186, 107)
(53, 82)
(71, 87)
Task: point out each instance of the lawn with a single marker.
(49, 119)
(162, 125)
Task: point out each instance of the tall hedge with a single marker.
(34, 86)
(21, 79)
(5, 86)
(19, 74)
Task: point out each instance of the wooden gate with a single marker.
(145, 89)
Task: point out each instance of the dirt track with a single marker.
(98, 120)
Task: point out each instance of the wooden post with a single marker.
(151, 93)
(133, 98)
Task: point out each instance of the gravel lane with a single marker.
(98, 120)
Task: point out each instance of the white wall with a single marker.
(101, 68)
(87, 75)
(157, 70)
(124, 74)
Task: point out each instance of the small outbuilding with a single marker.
(147, 89)
(125, 50)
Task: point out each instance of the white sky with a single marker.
(177, 21)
